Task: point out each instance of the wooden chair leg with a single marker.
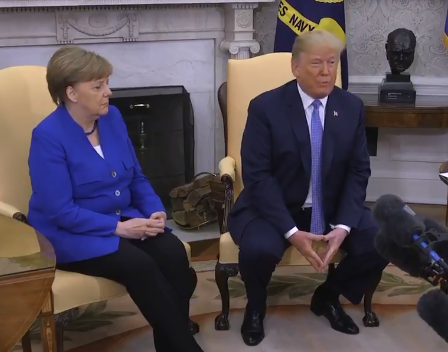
(60, 337)
(194, 327)
(222, 274)
(370, 319)
(26, 342)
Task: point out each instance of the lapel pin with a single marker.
(335, 113)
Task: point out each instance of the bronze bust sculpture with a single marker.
(397, 86)
(400, 50)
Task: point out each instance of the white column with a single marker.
(239, 41)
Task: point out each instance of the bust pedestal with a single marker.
(397, 89)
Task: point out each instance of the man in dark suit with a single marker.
(305, 169)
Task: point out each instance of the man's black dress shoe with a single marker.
(252, 329)
(333, 311)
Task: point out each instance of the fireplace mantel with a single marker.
(100, 21)
(76, 3)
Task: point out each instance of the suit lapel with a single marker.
(297, 118)
(331, 127)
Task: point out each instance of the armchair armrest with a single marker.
(12, 212)
(227, 172)
(227, 167)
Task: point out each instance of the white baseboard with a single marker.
(423, 85)
(410, 190)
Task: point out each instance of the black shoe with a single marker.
(252, 329)
(333, 311)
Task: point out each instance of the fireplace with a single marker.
(160, 123)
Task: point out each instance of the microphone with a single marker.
(410, 260)
(400, 221)
(432, 307)
(395, 239)
(417, 246)
(405, 241)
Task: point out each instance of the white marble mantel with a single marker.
(149, 43)
(63, 3)
(238, 21)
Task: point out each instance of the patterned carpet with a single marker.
(293, 329)
(289, 286)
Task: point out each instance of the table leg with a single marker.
(48, 332)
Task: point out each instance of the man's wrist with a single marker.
(291, 232)
(346, 228)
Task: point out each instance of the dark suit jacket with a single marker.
(276, 161)
(77, 196)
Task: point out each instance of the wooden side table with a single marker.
(428, 112)
(27, 269)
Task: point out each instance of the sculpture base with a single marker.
(396, 92)
(398, 77)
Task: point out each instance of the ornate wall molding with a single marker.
(131, 21)
(121, 25)
(76, 3)
(240, 40)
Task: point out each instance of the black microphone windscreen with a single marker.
(432, 307)
(409, 259)
(398, 220)
(386, 206)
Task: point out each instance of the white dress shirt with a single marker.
(99, 150)
(308, 107)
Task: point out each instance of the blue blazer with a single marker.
(276, 162)
(77, 196)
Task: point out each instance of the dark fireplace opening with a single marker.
(160, 123)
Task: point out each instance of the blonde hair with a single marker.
(317, 37)
(70, 65)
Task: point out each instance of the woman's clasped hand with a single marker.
(140, 228)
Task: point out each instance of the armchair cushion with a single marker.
(71, 290)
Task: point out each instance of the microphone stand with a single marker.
(436, 272)
(435, 275)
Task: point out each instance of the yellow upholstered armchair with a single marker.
(245, 80)
(24, 102)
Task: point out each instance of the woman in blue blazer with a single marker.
(92, 202)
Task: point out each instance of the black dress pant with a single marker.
(262, 248)
(157, 276)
